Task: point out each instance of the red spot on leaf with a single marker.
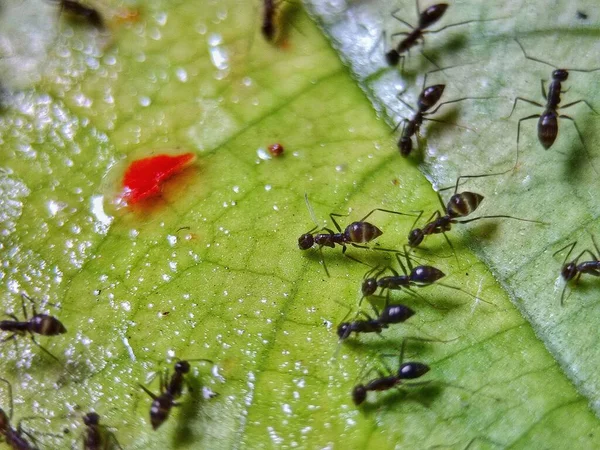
(144, 177)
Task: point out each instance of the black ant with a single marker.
(428, 97)
(356, 233)
(420, 276)
(548, 121)
(170, 390)
(42, 324)
(389, 315)
(426, 18)
(406, 371)
(96, 436)
(81, 12)
(575, 269)
(460, 205)
(13, 437)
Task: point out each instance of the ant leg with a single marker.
(523, 100)
(433, 111)
(595, 245)
(323, 260)
(452, 248)
(401, 264)
(402, 33)
(399, 97)
(112, 439)
(47, 351)
(464, 23)
(10, 397)
(533, 116)
(477, 298)
(417, 219)
(589, 157)
(572, 245)
(355, 259)
(544, 90)
(147, 391)
(337, 226)
(403, 122)
(449, 123)
(502, 216)
(409, 291)
(387, 211)
(393, 14)
(23, 297)
(470, 176)
(580, 101)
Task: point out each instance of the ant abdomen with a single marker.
(361, 232)
(412, 370)
(547, 127)
(426, 274)
(396, 314)
(46, 325)
(463, 204)
(430, 96)
(432, 15)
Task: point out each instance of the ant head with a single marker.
(415, 237)
(405, 145)
(343, 330)
(432, 15)
(182, 366)
(463, 204)
(359, 394)
(306, 241)
(411, 370)
(560, 74)
(369, 286)
(569, 271)
(91, 419)
(392, 57)
(430, 96)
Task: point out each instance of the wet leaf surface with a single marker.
(212, 270)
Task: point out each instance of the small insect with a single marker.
(390, 314)
(14, 438)
(276, 149)
(170, 390)
(426, 19)
(420, 276)
(97, 436)
(582, 15)
(42, 324)
(461, 204)
(356, 233)
(79, 11)
(574, 269)
(428, 97)
(406, 371)
(548, 120)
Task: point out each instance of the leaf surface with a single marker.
(212, 269)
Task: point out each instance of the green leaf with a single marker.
(137, 287)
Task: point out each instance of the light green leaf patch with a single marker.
(213, 269)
